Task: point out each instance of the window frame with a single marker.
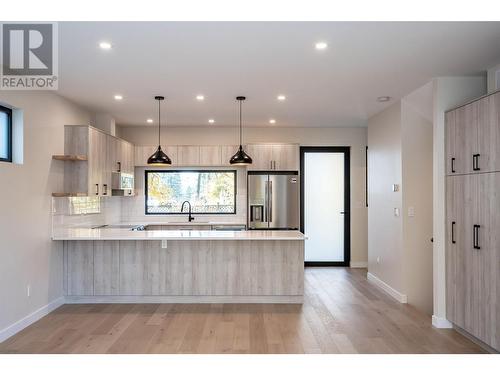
(146, 173)
(8, 111)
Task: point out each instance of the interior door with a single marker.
(325, 202)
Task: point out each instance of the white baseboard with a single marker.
(358, 264)
(400, 297)
(184, 299)
(439, 322)
(30, 319)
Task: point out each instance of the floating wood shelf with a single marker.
(58, 195)
(70, 157)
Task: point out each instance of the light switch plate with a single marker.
(395, 187)
(411, 211)
(396, 211)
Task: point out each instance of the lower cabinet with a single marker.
(184, 268)
(473, 255)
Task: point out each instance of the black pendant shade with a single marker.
(241, 157)
(159, 157)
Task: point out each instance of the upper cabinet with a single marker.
(280, 157)
(473, 137)
(189, 155)
(91, 157)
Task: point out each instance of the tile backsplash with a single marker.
(133, 208)
(95, 211)
(85, 211)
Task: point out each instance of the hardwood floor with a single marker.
(342, 313)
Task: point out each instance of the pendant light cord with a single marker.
(240, 122)
(159, 122)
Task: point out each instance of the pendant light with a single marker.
(159, 157)
(240, 158)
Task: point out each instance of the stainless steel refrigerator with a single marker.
(273, 200)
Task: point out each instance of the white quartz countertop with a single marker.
(114, 234)
(193, 223)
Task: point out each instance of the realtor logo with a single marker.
(29, 56)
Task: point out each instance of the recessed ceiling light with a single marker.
(382, 99)
(200, 97)
(281, 97)
(211, 121)
(272, 121)
(149, 120)
(105, 45)
(118, 97)
(321, 45)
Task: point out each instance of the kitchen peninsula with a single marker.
(109, 265)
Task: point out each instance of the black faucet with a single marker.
(190, 217)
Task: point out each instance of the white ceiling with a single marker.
(334, 87)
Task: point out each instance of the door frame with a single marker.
(347, 201)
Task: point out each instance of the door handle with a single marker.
(475, 237)
(266, 198)
(96, 189)
(453, 232)
(270, 201)
(475, 162)
(453, 165)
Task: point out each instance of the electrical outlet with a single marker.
(28, 290)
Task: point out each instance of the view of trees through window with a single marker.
(210, 192)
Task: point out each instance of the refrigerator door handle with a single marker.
(266, 205)
(270, 194)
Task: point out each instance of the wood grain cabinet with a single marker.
(91, 157)
(473, 221)
(273, 156)
(473, 137)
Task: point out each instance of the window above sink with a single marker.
(208, 191)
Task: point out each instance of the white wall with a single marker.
(27, 254)
(400, 152)
(385, 230)
(417, 196)
(353, 137)
(448, 92)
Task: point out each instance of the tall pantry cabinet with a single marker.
(473, 218)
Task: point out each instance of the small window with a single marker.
(5, 134)
(209, 192)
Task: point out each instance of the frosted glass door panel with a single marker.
(324, 206)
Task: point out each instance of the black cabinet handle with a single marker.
(453, 232)
(453, 165)
(475, 237)
(475, 162)
(119, 166)
(96, 189)
(105, 189)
